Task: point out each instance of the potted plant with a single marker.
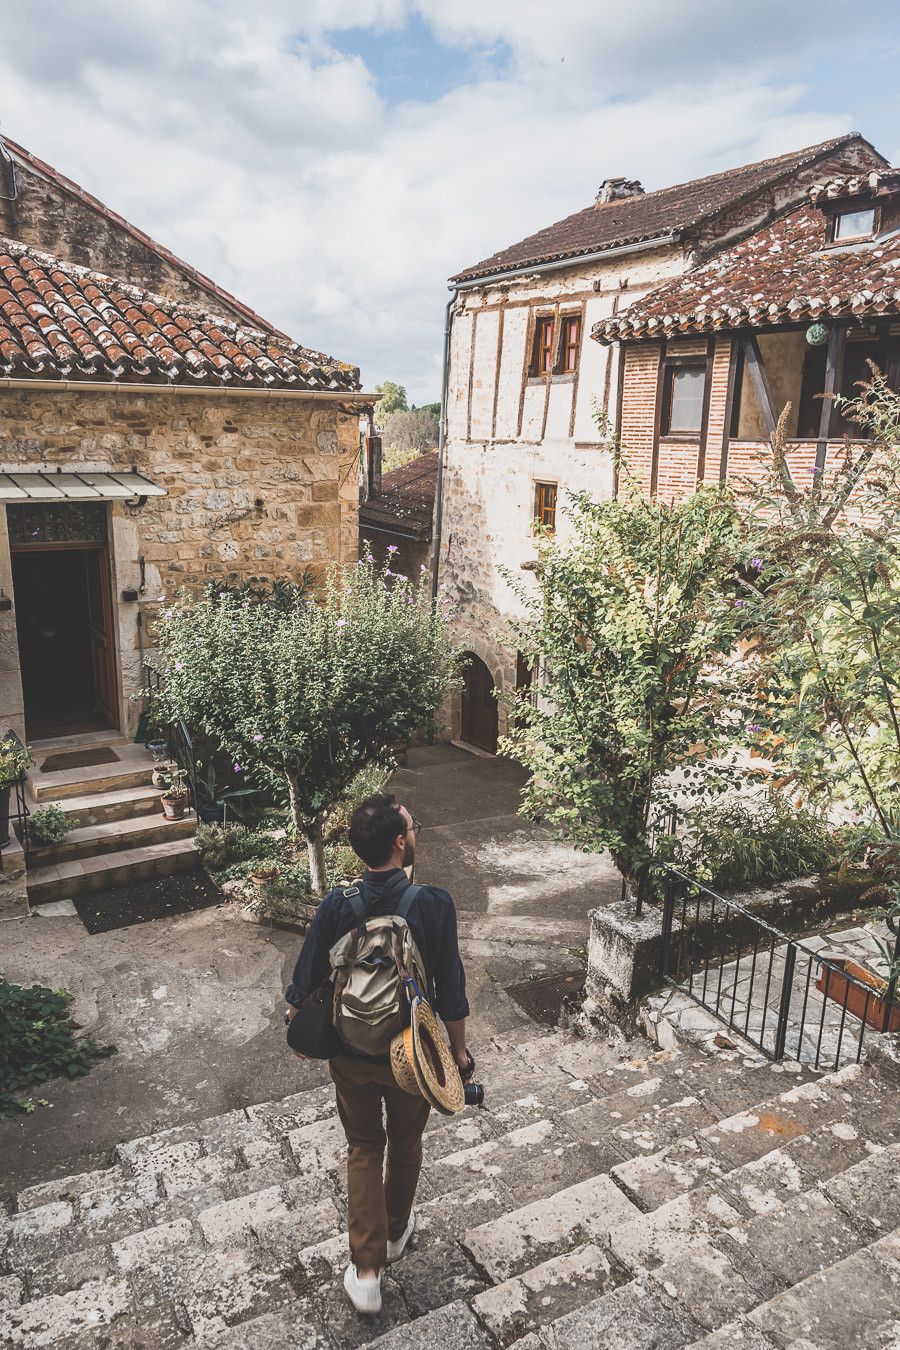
(859, 990)
(48, 826)
(175, 794)
(162, 768)
(14, 760)
(265, 873)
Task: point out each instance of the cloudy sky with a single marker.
(333, 161)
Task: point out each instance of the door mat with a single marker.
(79, 759)
(144, 901)
(544, 999)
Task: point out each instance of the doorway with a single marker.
(479, 706)
(64, 620)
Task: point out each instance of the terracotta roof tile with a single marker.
(61, 321)
(406, 501)
(781, 274)
(649, 215)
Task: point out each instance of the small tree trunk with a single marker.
(315, 847)
(315, 844)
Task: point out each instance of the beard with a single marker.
(409, 853)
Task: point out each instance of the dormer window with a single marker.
(853, 225)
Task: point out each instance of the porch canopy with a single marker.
(75, 487)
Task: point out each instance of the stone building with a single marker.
(155, 433)
(526, 390)
(796, 310)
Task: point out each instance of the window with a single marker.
(545, 505)
(684, 385)
(854, 224)
(571, 340)
(543, 346)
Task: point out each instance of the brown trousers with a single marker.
(379, 1201)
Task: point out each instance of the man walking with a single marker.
(381, 1218)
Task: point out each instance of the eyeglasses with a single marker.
(414, 826)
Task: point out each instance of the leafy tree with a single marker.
(823, 590)
(406, 435)
(393, 399)
(307, 695)
(629, 626)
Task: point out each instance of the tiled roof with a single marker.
(406, 501)
(855, 185)
(47, 171)
(782, 274)
(61, 321)
(646, 216)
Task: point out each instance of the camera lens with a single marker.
(474, 1094)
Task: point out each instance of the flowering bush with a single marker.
(310, 693)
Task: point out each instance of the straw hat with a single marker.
(402, 1063)
(423, 1065)
(434, 1065)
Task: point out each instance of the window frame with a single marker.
(544, 515)
(671, 366)
(544, 323)
(836, 242)
(567, 322)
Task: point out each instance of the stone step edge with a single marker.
(107, 834)
(111, 781)
(109, 869)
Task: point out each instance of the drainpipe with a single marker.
(442, 441)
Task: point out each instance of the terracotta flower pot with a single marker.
(835, 984)
(174, 807)
(265, 874)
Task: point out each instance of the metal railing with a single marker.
(177, 734)
(18, 813)
(778, 992)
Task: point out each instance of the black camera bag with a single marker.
(311, 1030)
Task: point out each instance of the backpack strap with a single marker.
(407, 900)
(354, 895)
(398, 885)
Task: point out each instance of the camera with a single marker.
(474, 1094)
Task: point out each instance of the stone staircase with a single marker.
(610, 1198)
(120, 834)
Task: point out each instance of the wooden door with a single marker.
(479, 706)
(100, 630)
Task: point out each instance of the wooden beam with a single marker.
(704, 416)
(756, 366)
(834, 370)
(733, 361)
(657, 417)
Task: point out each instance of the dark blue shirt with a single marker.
(432, 921)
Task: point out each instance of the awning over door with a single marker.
(75, 487)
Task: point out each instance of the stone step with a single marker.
(84, 740)
(98, 808)
(133, 768)
(116, 836)
(64, 880)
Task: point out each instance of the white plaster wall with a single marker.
(503, 440)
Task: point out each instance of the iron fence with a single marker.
(178, 738)
(778, 992)
(19, 810)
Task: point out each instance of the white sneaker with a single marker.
(396, 1249)
(365, 1295)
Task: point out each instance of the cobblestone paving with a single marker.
(611, 1198)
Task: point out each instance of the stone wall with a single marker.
(51, 217)
(257, 488)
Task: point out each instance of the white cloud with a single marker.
(244, 140)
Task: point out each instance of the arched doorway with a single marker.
(479, 706)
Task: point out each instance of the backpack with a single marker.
(377, 969)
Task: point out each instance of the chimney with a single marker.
(615, 189)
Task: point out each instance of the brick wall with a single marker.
(639, 409)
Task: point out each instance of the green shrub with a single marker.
(754, 842)
(48, 825)
(37, 1042)
(222, 846)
